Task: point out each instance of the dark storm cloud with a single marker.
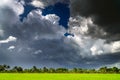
(4, 57)
(105, 13)
(36, 33)
(41, 42)
(56, 51)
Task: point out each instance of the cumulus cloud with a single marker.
(42, 26)
(9, 39)
(13, 3)
(116, 46)
(105, 14)
(90, 38)
(95, 27)
(4, 2)
(37, 3)
(35, 33)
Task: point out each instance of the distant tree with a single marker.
(4, 68)
(61, 70)
(26, 71)
(74, 70)
(20, 69)
(45, 69)
(34, 69)
(40, 70)
(103, 70)
(119, 71)
(17, 69)
(51, 70)
(115, 69)
(80, 70)
(91, 71)
(109, 70)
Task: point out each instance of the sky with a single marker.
(60, 33)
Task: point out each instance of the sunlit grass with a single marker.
(6, 76)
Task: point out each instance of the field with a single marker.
(15, 76)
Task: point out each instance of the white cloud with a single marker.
(18, 7)
(45, 26)
(11, 48)
(37, 3)
(89, 42)
(4, 2)
(22, 2)
(38, 52)
(52, 18)
(95, 51)
(44, 3)
(116, 46)
(13, 4)
(9, 39)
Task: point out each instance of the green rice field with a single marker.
(24, 76)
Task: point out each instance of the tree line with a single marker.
(17, 69)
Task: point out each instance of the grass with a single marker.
(7, 76)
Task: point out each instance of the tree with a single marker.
(61, 70)
(74, 70)
(51, 70)
(103, 70)
(115, 69)
(34, 69)
(92, 71)
(17, 69)
(4, 68)
(45, 69)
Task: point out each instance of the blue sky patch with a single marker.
(27, 10)
(61, 10)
